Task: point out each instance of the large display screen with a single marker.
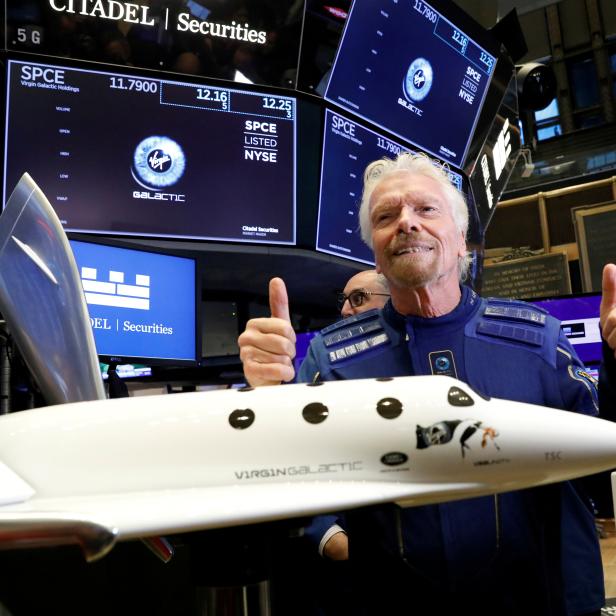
(579, 316)
(142, 304)
(121, 154)
(241, 40)
(497, 157)
(426, 85)
(348, 148)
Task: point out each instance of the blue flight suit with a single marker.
(528, 552)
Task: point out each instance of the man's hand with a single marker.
(337, 547)
(608, 306)
(267, 345)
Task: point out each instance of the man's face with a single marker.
(364, 281)
(415, 239)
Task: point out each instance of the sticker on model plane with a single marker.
(443, 432)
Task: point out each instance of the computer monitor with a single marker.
(579, 316)
(420, 70)
(127, 371)
(348, 148)
(122, 153)
(143, 303)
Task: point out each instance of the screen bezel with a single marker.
(198, 322)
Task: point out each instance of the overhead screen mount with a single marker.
(536, 86)
(188, 160)
(529, 165)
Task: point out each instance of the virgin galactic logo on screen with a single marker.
(418, 80)
(159, 162)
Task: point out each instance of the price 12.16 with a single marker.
(215, 96)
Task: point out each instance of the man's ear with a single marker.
(462, 247)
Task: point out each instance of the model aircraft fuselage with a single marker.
(162, 464)
(92, 470)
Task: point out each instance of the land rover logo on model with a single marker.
(394, 458)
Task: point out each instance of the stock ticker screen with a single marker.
(127, 155)
(348, 148)
(427, 86)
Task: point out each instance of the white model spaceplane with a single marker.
(95, 471)
(136, 467)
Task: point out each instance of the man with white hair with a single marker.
(528, 552)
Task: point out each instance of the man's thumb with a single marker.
(278, 299)
(608, 288)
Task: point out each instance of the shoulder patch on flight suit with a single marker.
(514, 321)
(358, 347)
(579, 374)
(353, 336)
(353, 327)
(515, 311)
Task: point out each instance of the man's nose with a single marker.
(408, 220)
(347, 309)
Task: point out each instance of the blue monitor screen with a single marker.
(301, 347)
(121, 154)
(142, 304)
(348, 148)
(579, 316)
(405, 67)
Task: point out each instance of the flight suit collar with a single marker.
(468, 305)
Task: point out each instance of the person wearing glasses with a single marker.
(367, 290)
(531, 552)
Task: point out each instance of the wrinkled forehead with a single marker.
(407, 186)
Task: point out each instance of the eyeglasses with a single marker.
(357, 298)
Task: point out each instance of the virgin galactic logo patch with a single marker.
(158, 162)
(418, 80)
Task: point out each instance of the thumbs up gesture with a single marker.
(267, 345)
(608, 306)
